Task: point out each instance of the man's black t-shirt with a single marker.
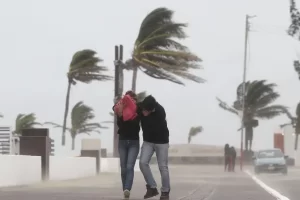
(154, 126)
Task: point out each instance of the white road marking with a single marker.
(267, 188)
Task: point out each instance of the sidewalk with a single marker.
(188, 182)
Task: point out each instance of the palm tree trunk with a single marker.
(63, 138)
(134, 78)
(73, 143)
(296, 141)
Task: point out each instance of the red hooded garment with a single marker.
(129, 108)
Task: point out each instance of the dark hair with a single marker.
(148, 103)
(132, 94)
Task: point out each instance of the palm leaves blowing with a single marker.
(84, 68)
(25, 121)
(193, 132)
(81, 116)
(258, 97)
(158, 54)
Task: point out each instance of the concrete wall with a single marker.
(63, 168)
(19, 170)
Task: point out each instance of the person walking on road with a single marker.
(129, 145)
(233, 157)
(227, 158)
(156, 139)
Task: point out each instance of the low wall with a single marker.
(63, 168)
(18, 170)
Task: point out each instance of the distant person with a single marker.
(233, 157)
(227, 158)
(129, 145)
(156, 139)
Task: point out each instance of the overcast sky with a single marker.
(38, 39)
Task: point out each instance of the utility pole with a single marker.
(244, 87)
(118, 60)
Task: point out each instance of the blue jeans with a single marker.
(128, 151)
(161, 151)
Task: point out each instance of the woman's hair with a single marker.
(131, 94)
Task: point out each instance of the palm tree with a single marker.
(294, 29)
(25, 121)
(193, 132)
(83, 68)
(158, 53)
(259, 96)
(81, 116)
(295, 122)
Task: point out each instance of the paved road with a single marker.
(288, 186)
(188, 183)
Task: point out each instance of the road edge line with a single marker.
(270, 190)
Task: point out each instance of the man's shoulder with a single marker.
(159, 107)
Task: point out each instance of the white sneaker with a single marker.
(126, 194)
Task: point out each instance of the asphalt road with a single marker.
(188, 183)
(288, 185)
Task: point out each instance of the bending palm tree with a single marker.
(258, 97)
(25, 121)
(295, 122)
(294, 29)
(81, 116)
(193, 132)
(157, 53)
(83, 68)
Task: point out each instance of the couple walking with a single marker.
(230, 157)
(151, 117)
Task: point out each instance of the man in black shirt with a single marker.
(156, 139)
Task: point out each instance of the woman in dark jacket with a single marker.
(129, 147)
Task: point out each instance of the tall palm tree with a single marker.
(259, 96)
(81, 116)
(83, 68)
(294, 29)
(158, 53)
(295, 122)
(25, 121)
(193, 132)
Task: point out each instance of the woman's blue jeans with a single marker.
(128, 152)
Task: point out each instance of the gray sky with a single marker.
(38, 39)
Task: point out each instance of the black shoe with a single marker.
(164, 196)
(151, 192)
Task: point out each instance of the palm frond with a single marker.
(157, 52)
(25, 121)
(158, 73)
(81, 116)
(55, 125)
(270, 111)
(295, 20)
(193, 132)
(225, 106)
(84, 67)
